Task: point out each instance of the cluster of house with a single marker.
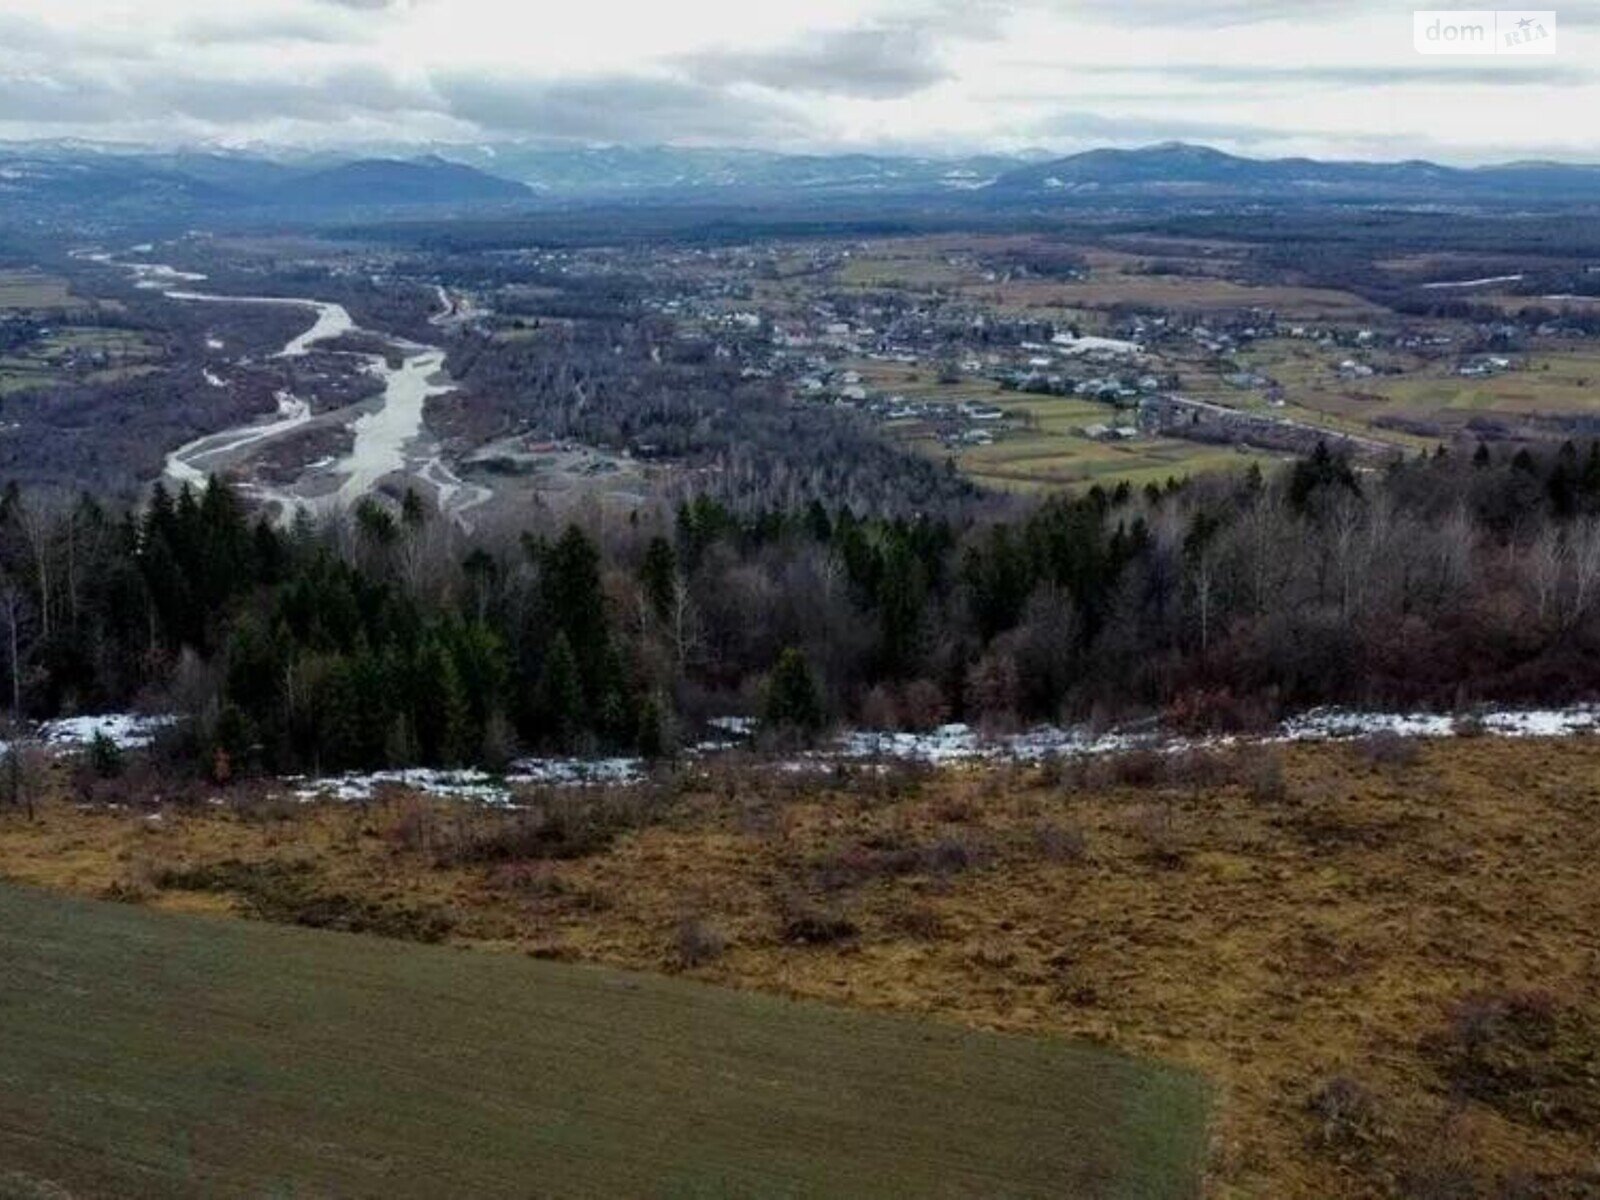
(1481, 368)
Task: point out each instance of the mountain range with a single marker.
(1176, 170)
(71, 180)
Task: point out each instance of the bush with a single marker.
(105, 757)
(1261, 774)
(1388, 748)
(1156, 828)
(888, 857)
(1056, 843)
(415, 826)
(918, 920)
(569, 823)
(1349, 1120)
(802, 922)
(923, 706)
(1201, 768)
(1525, 1054)
(697, 943)
(1133, 768)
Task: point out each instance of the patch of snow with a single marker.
(473, 785)
(1068, 344)
(1472, 283)
(126, 730)
(455, 785)
(581, 772)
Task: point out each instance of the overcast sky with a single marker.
(1322, 77)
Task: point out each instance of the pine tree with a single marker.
(900, 605)
(561, 702)
(574, 604)
(659, 577)
(793, 700)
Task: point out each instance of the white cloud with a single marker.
(1307, 76)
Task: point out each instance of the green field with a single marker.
(153, 1054)
(29, 289)
(81, 353)
(1034, 461)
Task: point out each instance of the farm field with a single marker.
(1114, 278)
(90, 354)
(1051, 451)
(1029, 461)
(1179, 293)
(1564, 382)
(155, 1054)
(1557, 379)
(1323, 932)
(31, 289)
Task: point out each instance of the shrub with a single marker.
(697, 943)
(888, 857)
(568, 823)
(1200, 768)
(1388, 748)
(105, 757)
(1133, 768)
(1156, 828)
(1057, 843)
(918, 920)
(1261, 773)
(1349, 1119)
(923, 706)
(879, 710)
(414, 826)
(1524, 1054)
(804, 923)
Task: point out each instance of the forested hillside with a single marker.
(390, 639)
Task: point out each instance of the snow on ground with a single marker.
(128, 731)
(454, 785)
(1471, 283)
(945, 746)
(1329, 723)
(1068, 344)
(479, 786)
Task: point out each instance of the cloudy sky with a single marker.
(1324, 77)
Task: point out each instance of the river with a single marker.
(389, 438)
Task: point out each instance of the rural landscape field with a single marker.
(883, 598)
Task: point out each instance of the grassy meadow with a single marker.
(148, 1054)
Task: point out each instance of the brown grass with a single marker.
(1334, 937)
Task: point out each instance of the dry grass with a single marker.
(1327, 935)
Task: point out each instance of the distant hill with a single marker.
(1176, 170)
(633, 171)
(393, 182)
(70, 180)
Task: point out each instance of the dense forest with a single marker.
(384, 638)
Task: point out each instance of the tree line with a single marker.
(385, 637)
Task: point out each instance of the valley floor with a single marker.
(1385, 956)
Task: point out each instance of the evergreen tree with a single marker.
(793, 700)
(561, 702)
(659, 577)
